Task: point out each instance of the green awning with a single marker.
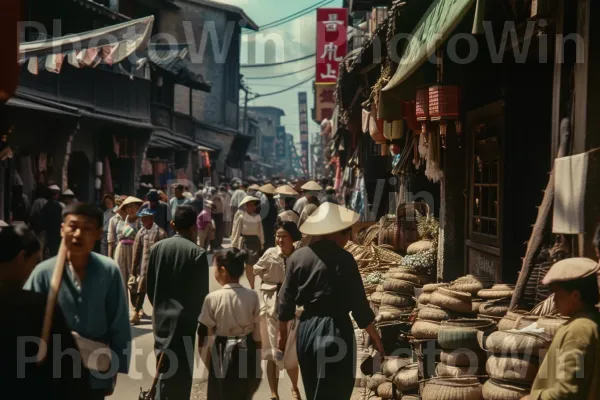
(434, 29)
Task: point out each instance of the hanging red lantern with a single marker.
(444, 105)
(422, 108)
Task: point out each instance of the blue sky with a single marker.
(299, 39)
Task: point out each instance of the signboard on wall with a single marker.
(280, 144)
(332, 27)
(303, 113)
(325, 101)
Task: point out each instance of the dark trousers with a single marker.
(175, 377)
(327, 353)
(139, 301)
(98, 394)
(219, 231)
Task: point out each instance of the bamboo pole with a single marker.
(55, 283)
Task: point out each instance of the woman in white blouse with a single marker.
(271, 269)
(248, 234)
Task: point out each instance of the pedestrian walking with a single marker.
(237, 196)
(324, 279)
(125, 230)
(248, 234)
(310, 190)
(52, 219)
(92, 296)
(232, 315)
(268, 213)
(572, 364)
(108, 202)
(205, 226)
(271, 270)
(160, 207)
(218, 217)
(112, 226)
(289, 215)
(177, 286)
(64, 377)
(178, 200)
(148, 235)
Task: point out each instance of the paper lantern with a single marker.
(444, 105)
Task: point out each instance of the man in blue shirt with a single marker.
(92, 295)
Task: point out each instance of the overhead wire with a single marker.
(278, 63)
(258, 95)
(278, 76)
(293, 16)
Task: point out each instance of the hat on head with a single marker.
(286, 190)
(130, 200)
(248, 199)
(312, 186)
(571, 269)
(54, 188)
(267, 189)
(152, 195)
(329, 218)
(289, 215)
(68, 192)
(146, 212)
(329, 188)
(254, 187)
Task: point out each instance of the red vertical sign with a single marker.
(332, 27)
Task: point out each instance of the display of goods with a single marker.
(490, 317)
(405, 276)
(516, 320)
(392, 365)
(376, 297)
(551, 323)
(385, 391)
(450, 371)
(379, 288)
(513, 369)
(497, 291)
(375, 380)
(463, 357)
(409, 397)
(373, 259)
(496, 308)
(407, 378)
(425, 329)
(469, 284)
(396, 300)
(515, 342)
(452, 389)
(400, 286)
(434, 313)
(419, 246)
(432, 287)
(497, 390)
(475, 304)
(388, 316)
(424, 261)
(462, 333)
(451, 300)
(424, 298)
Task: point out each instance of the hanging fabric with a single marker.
(107, 175)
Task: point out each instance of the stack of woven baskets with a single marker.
(381, 383)
(395, 296)
(515, 357)
(468, 388)
(496, 301)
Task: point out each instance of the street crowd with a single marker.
(289, 234)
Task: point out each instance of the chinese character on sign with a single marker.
(330, 74)
(333, 23)
(330, 52)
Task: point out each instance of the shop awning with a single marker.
(175, 60)
(432, 31)
(163, 139)
(43, 106)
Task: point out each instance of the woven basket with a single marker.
(385, 391)
(516, 320)
(475, 304)
(468, 287)
(424, 298)
(496, 390)
(451, 300)
(396, 300)
(462, 333)
(425, 329)
(509, 342)
(497, 292)
(379, 288)
(375, 380)
(400, 286)
(376, 297)
(407, 378)
(432, 287)
(393, 365)
(405, 276)
(464, 358)
(551, 325)
(434, 313)
(419, 246)
(449, 371)
(452, 389)
(496, 308)
(512, 369)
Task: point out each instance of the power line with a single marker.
(283, 90)
(294, 16)
(279, 63)
(277, 76)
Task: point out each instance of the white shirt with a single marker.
(232, 311)
(237, 197)
(299, 205)
(245, 224)
(271, 268)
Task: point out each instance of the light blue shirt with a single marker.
(97, 309)
(174, 203)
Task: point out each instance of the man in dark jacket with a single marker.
(177, 286)
(161, 208)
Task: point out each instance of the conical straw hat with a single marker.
(131, 200)
(289, 215)
(286, 190)
(329, 218)
(312, 186)
(267, 189)
(254, 187)
(248, 199)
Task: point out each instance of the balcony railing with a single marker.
(180, 123)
